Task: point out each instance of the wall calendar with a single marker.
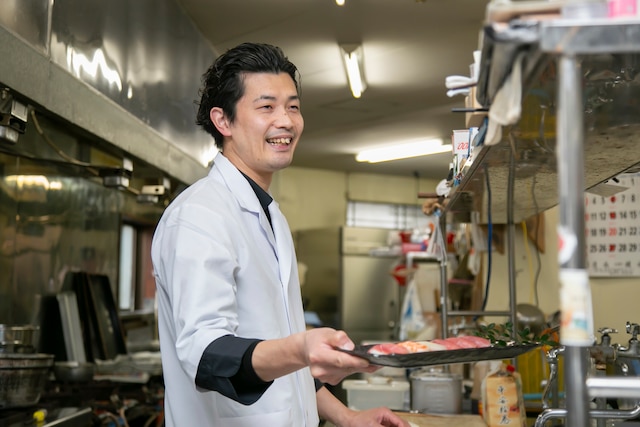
(612, 227)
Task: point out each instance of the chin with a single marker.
(282, 164)
(282, 160)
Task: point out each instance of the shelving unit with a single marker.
(569, 39)
(532, 170)
(445, 313)
(413, 257)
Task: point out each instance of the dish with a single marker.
(443, 357)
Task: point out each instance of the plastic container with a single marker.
(434, 392)
(375, 392)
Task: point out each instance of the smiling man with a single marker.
(235, 349)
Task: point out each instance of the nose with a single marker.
(283, 119)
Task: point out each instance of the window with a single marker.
(385, 215)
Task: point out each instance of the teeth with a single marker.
(279, 141)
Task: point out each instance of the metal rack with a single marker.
(445, 313)
(568, 39)
(561, 169)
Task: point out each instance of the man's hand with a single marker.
(327, 363)
(377, 417)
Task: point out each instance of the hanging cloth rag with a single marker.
(506, 107)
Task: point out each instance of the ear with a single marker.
(220, 121)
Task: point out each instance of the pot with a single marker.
(23, 378)
(436, 392)
(18, 338)
(530, 316)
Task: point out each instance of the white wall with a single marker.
(526, 264)
(615, 300)
(311, 198)
(315, 198)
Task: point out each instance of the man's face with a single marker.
(267, 126)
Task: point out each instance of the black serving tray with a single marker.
(442, 357)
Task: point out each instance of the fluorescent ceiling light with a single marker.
(354, 65)
(403, 151)
(340, 2)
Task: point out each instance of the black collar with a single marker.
(263, 197)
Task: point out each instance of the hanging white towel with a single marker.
(506, 107)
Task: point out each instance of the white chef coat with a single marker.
(220, 270)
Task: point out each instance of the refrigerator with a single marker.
(347, 287)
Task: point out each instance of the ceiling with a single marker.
(410, 47)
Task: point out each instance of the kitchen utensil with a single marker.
(530, 316)
(22, 378)
(11, 347)
(18, 338)
(436, 392)
(375, 392)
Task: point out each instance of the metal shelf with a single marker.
(611, 119)
(579, 126)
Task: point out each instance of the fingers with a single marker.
(342, 341)
(371, 369)
(333, 373)
(328, 364)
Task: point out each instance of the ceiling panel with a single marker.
(409, 48)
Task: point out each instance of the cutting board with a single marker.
(431, 420)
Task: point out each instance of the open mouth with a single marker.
(280, 141)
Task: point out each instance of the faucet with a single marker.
(604, 353)
(551, 388)
(627, 361)
(633, 350)
(603, 356)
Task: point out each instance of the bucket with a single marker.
(436, 392)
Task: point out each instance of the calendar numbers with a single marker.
(612, 231)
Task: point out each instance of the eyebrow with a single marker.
(273, 98)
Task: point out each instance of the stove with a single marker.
(87, 404)
(58, 417)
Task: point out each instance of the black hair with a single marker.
(223, 83)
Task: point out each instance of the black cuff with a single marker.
(226, 367)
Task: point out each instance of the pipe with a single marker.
(570, 157)
(623, 387)
(619, 414)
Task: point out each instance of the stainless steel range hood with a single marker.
(126, 72)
